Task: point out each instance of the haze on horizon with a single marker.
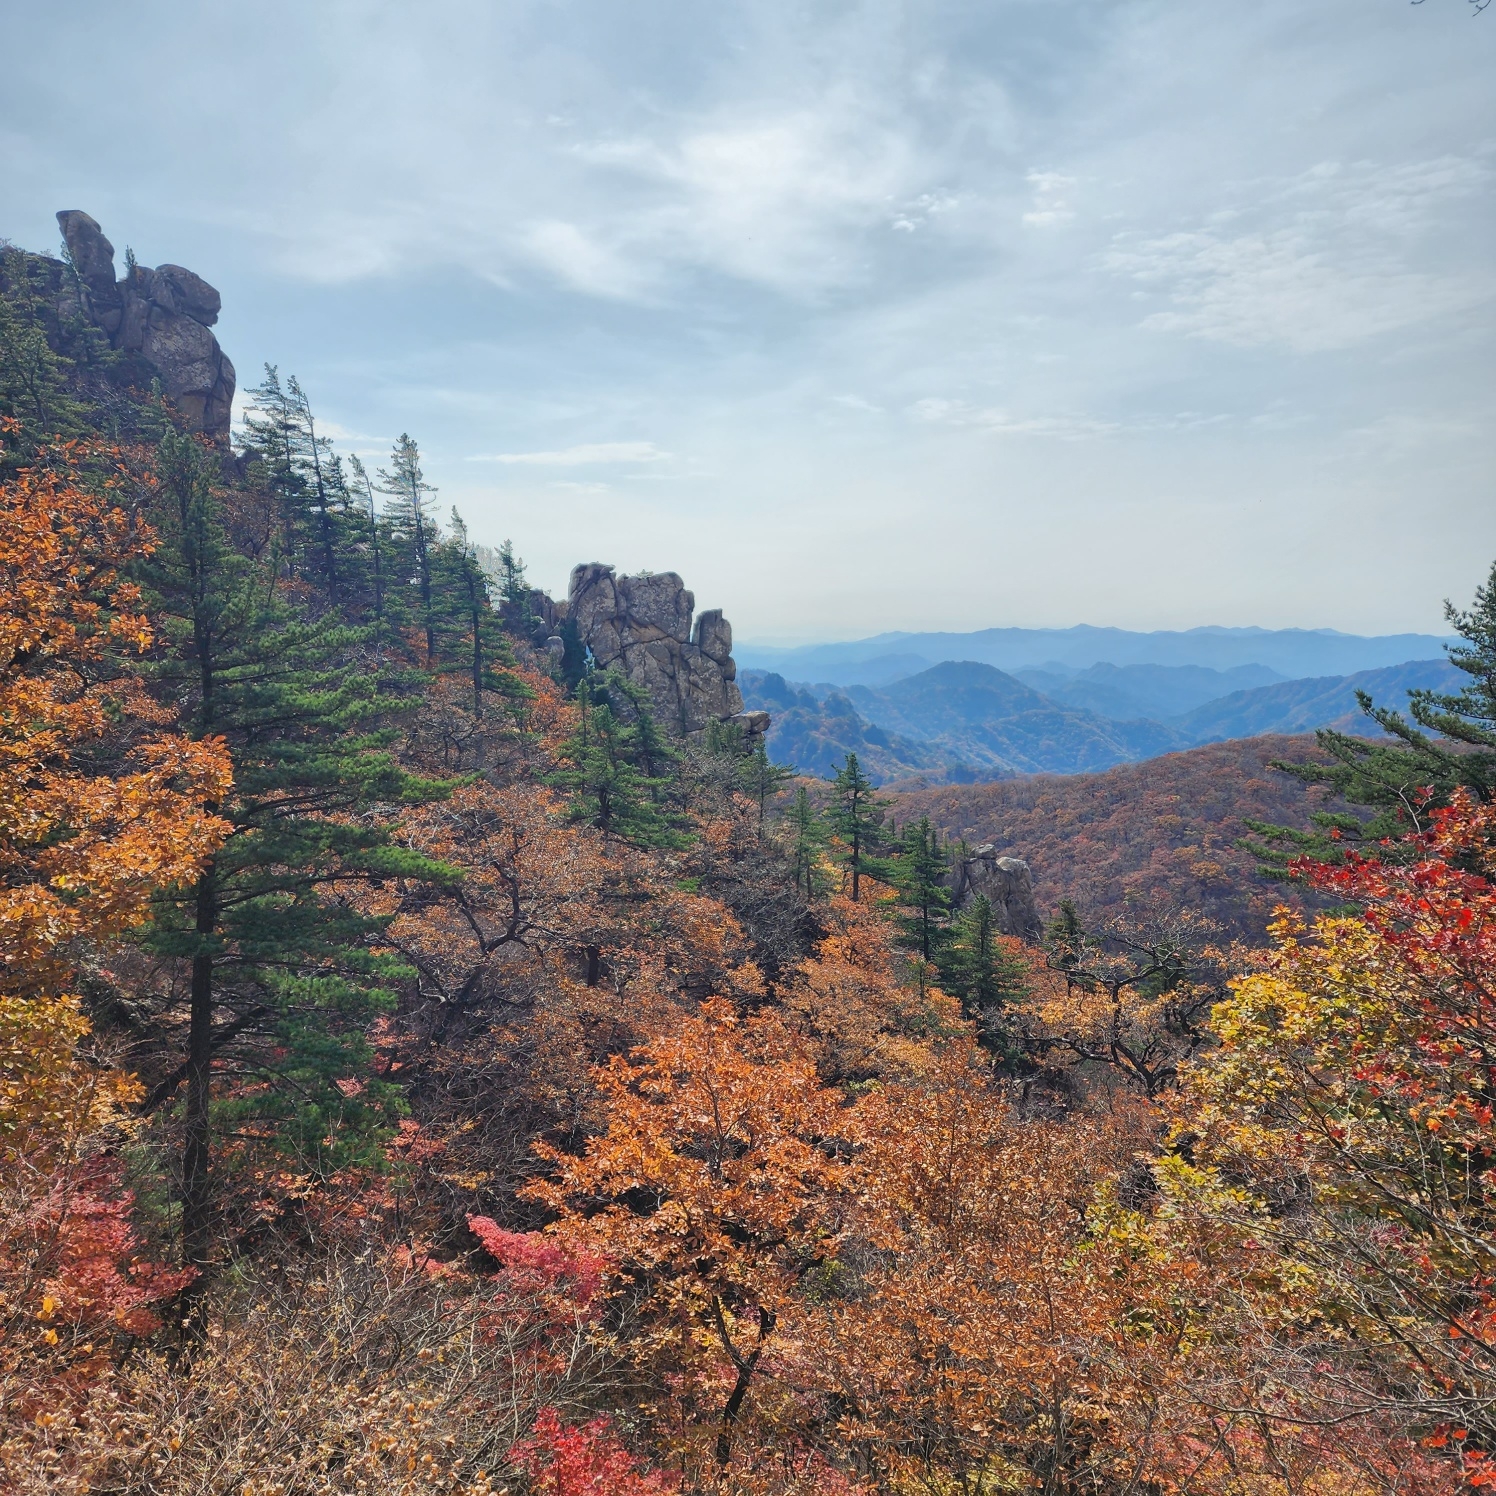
(861, 316)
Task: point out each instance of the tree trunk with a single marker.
(196, 1196)
(746, 1366)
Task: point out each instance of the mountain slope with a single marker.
(988, 718)
(1302, 705)
(815, 731)
(1128, 692)
(1165, 828)
(1294, 653)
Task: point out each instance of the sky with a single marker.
(859, 316)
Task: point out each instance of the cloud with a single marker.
(1339, 260)
(1066, 427)
(582, 456)
(1050, 204)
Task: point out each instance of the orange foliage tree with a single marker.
(720, 1184)
(100, 807)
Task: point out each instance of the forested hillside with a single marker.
(424, 1069)
(1165, 829)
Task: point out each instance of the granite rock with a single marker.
(642, 625)
(1008, 886)
(163, 315)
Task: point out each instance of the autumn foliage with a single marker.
(677, 1170)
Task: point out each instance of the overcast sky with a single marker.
(860, 316)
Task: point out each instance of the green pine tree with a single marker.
(918, 872)
(762, 779)
(855, 815)
(607, 767)
(805, 842)
(283, 973)
(36, 400)
(1450, 743)
(472, 634)
(979, 971)
(414, 532)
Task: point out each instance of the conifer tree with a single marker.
(807, 837)
(269, 438)
(315, 452)
(282, 973)
(977, 969)
(1449, 743)
(35, 400)
(918, 872)
(478, 637)
(855, 815)
(378, 558)
(605, 771)
(414, 530)
(761, 779)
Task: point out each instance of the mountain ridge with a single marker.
(1294, 653)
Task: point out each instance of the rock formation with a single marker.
(643, 625)
(163, 315)
(1008, 886)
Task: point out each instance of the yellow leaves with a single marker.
(81, 852)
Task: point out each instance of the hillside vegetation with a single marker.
(423, 1072)
(1165, 829)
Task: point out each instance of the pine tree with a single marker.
(918, 872)
(415, 531)
(761, 779)
(1449, 743)
(807, 838)
(282, 970)
(605, 772)
(314, 452)
(479, 638)
(36, 402)
(981, 972)
(271, 440)
(856, 813)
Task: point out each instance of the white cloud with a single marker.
(1051, 205)
(582, 456)
(1337, 259)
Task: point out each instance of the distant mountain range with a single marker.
(961, 721)
(1290, 653)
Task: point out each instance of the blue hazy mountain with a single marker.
(963, 720)
(1290, 653)
(1302, 705)
(1126, 692)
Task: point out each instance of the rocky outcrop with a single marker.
(643, 626)
(163, 316)
(1008, 886)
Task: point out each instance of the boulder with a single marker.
(642, 625)
(163, 315)
(93, 258)
(174, 289)
(1008, 886)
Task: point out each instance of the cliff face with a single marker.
(163, 315)
(643, 626)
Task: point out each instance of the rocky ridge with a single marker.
(640, 624)
(643, 626)
(163, 315)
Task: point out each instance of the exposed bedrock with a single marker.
(643, 625)
(1008, 886)
(163, 315)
